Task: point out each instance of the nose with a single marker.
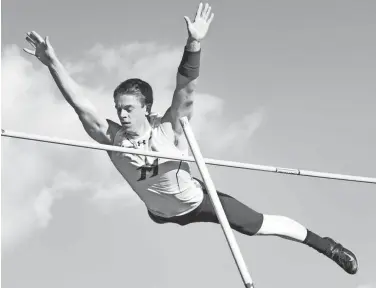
(123, 113)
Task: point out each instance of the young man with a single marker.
(166, 187)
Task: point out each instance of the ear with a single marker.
(148, 109)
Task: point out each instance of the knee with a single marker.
(252, 226)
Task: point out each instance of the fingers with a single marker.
(204, 12)
(28, 51)
(199, 11)
(211, 18)
(31, 36)
(206, 16)
(30, 41)
(47, 40)
(36, 36)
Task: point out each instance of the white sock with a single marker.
(284, 227)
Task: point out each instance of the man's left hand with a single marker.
(198, 29)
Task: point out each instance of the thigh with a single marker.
(240, 216)
(237, 213)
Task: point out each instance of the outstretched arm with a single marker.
(188, 71)
(97, 127)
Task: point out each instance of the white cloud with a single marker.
(34, 174)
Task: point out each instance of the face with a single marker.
(130, 112)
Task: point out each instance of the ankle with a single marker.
(316, 242)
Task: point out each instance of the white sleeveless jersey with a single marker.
(165, 186)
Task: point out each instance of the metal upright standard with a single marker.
(231, 241)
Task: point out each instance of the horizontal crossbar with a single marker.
(214, 162)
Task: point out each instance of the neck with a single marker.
(140, 131)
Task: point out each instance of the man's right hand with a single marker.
(42, 48)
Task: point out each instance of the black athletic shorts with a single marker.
(241, 217)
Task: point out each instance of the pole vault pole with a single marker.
(214, 162)
(231, 241)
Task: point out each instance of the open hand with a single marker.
(42, 48)
(197, 30)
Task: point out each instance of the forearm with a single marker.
(188, 71)
(68, 87)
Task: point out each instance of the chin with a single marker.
(127, 127)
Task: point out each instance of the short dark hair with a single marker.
(137, 87)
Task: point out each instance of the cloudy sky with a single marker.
(283, 83)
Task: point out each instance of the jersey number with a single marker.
(149, 169)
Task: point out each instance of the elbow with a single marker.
(191, 87)
(188, 103)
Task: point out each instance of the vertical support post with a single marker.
(231, 241)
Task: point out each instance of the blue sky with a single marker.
(286, 84)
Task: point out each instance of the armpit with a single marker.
(112, 130)
(180, 142)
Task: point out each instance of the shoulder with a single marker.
(155, 120)
(165, 126)
(158, 122)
